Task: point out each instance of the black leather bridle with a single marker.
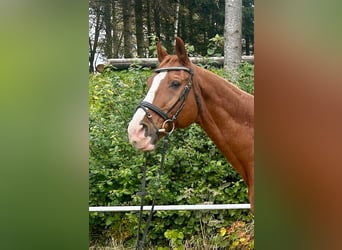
(146, 106)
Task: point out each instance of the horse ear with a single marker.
(181, 51)
(161, 52)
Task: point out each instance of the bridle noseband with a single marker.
(146, 106)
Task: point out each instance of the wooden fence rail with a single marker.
(125, 63)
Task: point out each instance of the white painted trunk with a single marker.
(176, 22)
(232, 36)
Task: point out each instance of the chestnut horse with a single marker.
(181, 93)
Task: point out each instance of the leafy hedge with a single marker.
(195, 171)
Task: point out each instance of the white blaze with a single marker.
(135, 131)
(155, 85)
(139, 115)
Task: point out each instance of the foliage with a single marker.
(153, 46)
(239, 236)
(190, 49)
(246, 77)
(215, 46)
(195, 171)
(245, 80)
(153, 39)
(176, 239)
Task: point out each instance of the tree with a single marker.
(95, 26)
(127, 23)
(139, 27)
(176, 19)
(232, 35)
(115, 39)
(248, 24)
(156, 18)
(108, 46)
(122, 28)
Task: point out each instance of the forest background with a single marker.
(128, 29)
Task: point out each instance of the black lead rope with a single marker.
(146, 106)
(143, 193)
(140, 242)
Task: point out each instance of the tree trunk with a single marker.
(176, 22)
(182, 27)
(232, 36)
(149, 28)
(126, 7)
(157, 18)
(115, 38)
(91, 57)
(247, 45)
(190, 30)
(107, 15)
(139, 27)
(93, 44)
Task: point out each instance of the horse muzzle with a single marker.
(141, 133)
(137, 137)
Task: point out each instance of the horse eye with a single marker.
(175, 84)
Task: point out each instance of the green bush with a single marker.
(195, 171)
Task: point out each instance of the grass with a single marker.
(239, 236)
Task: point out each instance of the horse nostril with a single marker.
(145, 128)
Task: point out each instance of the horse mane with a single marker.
(232, 96)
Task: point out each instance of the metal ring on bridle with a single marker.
(163, 130)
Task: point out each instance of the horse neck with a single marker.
(227, 116)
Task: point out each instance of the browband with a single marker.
(173, 68)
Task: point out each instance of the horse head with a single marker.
(170, 101)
